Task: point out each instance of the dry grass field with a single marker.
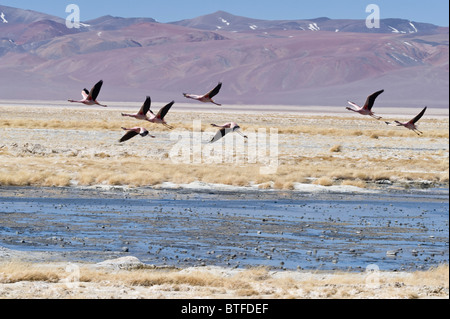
(76, 145)
(41, 281)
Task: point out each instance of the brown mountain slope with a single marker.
(271, 67)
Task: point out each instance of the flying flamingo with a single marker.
(142, 114)
(90, 97)
(206, 97)
(159, 118)
(367, 108)
(225, 129)
(145, 109)
(132, 132)
(412, 123)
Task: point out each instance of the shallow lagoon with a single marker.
(404, 230)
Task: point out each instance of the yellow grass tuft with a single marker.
(324, 181)
(357, 183)
(12, 272)
(49, 281)
(58, 180)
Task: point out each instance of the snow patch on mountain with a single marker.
(224, 21)
(313, 27)
(2, 16)
(394, 30)
(414, 27)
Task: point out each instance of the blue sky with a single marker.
(431, 11)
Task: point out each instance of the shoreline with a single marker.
(183, 107)
(301, 190)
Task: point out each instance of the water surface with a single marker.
(287, 230)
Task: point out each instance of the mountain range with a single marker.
(291, 62)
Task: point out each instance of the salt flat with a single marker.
(61, 146)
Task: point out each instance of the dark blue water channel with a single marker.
(342, 232)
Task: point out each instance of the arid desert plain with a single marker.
(316, 203)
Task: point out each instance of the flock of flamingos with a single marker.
(90, 98)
